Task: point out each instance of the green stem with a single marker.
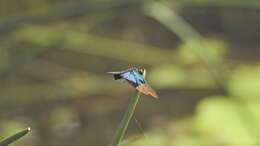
(12, 138)
(119, 135)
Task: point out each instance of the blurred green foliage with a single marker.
(201, 56)
(245, 82)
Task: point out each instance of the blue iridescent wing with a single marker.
(133, 77)
(121, 74)
(130, 77)
(139, 78)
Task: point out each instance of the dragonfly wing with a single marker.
(117, 75)
(147, 90)
(122, 74)
(130, 78)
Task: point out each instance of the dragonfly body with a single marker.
(135, 77)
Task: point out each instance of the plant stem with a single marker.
(12, 138)
(119, 135)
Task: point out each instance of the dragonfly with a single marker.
(135, 77)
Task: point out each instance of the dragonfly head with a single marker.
(140, 70)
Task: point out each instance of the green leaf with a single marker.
(8, 140)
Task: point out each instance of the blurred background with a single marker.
(201, 56)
